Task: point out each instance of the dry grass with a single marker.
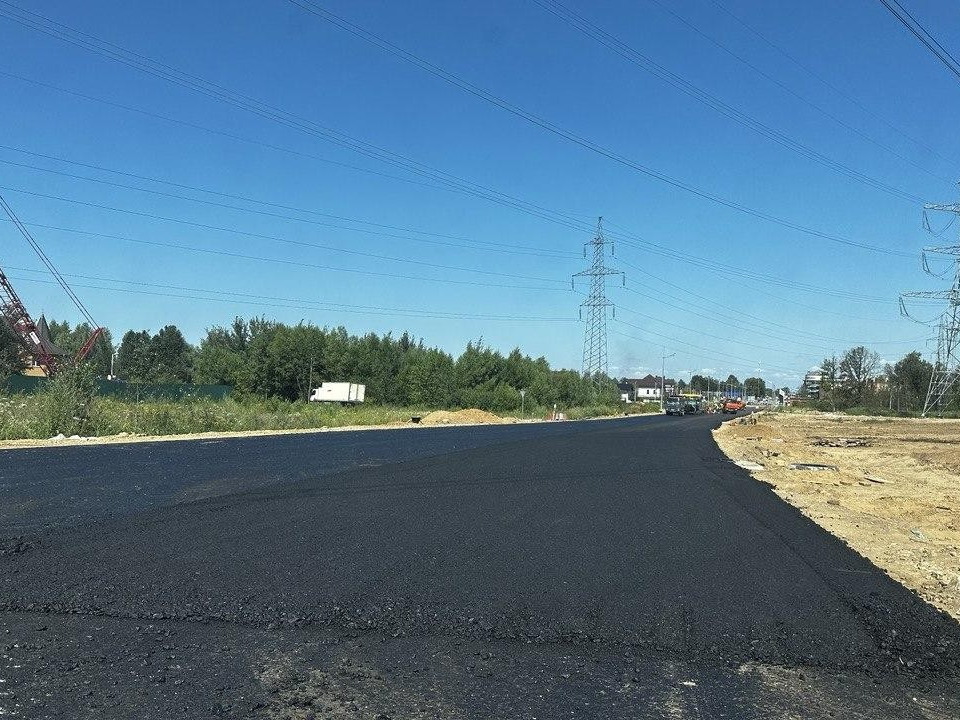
(895, 497)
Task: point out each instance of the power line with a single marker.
(790, 91)
(575, 138)
(819, 77)
(292, 263)
(595, 32)
(700, 351)
(748, 331)
(285, 303)
(277, 239)
(552, 216)
(51, 268)
(179, 77)
(465, 242)
(918, 31)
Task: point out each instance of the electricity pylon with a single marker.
(596, 304)
(946, 365)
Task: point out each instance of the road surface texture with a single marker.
(614, 569)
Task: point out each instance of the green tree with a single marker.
(909, 380)
(755, 387)
(11, 352)
(72, 339)
(170, 357)
(427, 378)
(134, 356)
(829, 381)
(857, 371)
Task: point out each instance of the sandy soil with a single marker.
(894, 496)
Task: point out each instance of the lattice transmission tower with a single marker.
(596, 304)
(946, 364)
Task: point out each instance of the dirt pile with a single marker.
(894, 496)
(471, 416)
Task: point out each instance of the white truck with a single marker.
(341, 392)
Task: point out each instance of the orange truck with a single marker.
(733, 405)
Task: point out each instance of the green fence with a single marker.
(128, 391)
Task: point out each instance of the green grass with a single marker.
(41, 416)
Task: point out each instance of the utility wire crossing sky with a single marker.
(438, 169)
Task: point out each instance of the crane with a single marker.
(18, 318)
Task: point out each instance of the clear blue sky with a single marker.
(275, 52)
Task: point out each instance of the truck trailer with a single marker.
(341, 392)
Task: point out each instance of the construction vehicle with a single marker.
(732, 406)
(38, 349)
(692, 403)
(685, 404)
(673, 405)
(342, 392)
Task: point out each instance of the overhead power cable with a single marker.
(197, 84)
(51, 268)
(746, 332)
(625, 236)
(700, 351)
(553, 216)
(229, 296)
(712, 304)
(283, 240)
(618, 46)
(293, 263)
(167, 72)
(465, 242)
(824, 81)
(921, 34)
(578, 139)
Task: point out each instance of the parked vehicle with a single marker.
(341, 392)
(733, 405)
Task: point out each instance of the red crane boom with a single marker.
(18, 318)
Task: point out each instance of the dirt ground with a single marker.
(894, 496)
(470, 416)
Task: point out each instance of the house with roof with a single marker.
(647, 389)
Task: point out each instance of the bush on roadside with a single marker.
(64, 403)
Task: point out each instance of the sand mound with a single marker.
(460, 417)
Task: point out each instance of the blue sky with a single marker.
(496, 272)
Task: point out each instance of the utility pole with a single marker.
(596, 304)
(310, 381)
(663, 376)
(946, 364)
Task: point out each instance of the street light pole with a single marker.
(663, 376)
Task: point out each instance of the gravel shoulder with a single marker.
(894, 495)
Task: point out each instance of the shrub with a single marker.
(64, 403)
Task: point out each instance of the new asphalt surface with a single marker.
(610, 569)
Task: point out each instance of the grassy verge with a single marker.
(38, 417)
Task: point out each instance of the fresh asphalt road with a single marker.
(612, 569)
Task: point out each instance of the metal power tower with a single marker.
(596, 304)
(946, 365)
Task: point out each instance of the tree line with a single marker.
(860, 379)
(265, 358)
